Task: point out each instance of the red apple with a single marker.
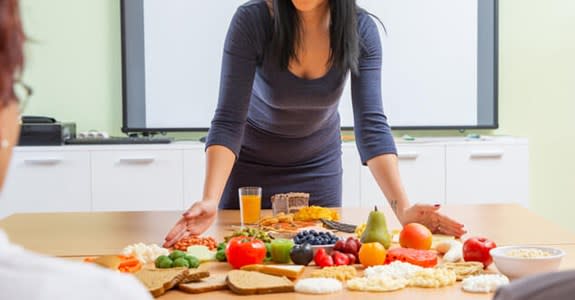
(477, 249)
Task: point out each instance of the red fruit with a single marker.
(352, 258)
(477, 249)
(352, 245)
(340, 259)
(422, 258)
(415, 236)
(326, 261)
(322, 259)
(242, 251)
(339, 246)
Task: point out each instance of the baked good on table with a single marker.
(212, 283)
(252, 283)
(463, 269)
(159, 281)
(289, 271)
(289, 203)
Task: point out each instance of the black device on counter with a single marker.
(115, 140)
(45, 131)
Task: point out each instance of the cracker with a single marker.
(464, 269)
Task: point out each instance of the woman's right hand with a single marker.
(197, 219)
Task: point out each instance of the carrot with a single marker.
(129, 264)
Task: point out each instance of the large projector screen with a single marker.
(439, 63)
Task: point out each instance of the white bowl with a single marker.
(328, 248)
(515, 267)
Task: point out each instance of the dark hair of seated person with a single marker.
(11, 49)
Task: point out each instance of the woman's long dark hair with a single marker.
(11, 48)
(344, 36)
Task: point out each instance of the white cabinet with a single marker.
(422, 171)
(137, 180)
(194, 172)
(492, 173)
(171, 177)
(47, 181)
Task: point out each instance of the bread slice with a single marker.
(289, 271)
(251, 283)
(195, 276)
(159, 281)
(212, 283)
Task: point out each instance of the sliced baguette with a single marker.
(251, 283)
(159, 281)
(289, 271)
(212, 283)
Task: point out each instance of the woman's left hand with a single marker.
(430, 216)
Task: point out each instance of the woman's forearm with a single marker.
(219, 163)
(385, 170)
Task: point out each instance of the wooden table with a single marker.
(75, 235)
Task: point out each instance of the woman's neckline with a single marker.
(325, 75)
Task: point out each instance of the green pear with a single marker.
(376, 229)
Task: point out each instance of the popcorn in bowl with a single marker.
(520, 261)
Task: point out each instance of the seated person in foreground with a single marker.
(25, 275)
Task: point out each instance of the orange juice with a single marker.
(250, 208)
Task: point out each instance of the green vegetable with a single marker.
(221, 253)
(163, 262)
(177, 254)
(181, 262)
(222, 246)
(193, 262)
(268, 252)
(251, 232)
(280, 250)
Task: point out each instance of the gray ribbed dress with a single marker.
(285, 130)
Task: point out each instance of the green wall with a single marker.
(74, 61)
(74, 67)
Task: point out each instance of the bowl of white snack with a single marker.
(520, 261)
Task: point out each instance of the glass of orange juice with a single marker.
(250, 204)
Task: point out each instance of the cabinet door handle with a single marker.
(493, 154)
(137, 160)
(45, 161)
(408, 155)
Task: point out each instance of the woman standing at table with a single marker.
(24, 275)
(285, 63)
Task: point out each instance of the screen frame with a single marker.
(150, 130)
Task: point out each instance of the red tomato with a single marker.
(477, 249)
(242, 251)
(416, 236)
(423, 258)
